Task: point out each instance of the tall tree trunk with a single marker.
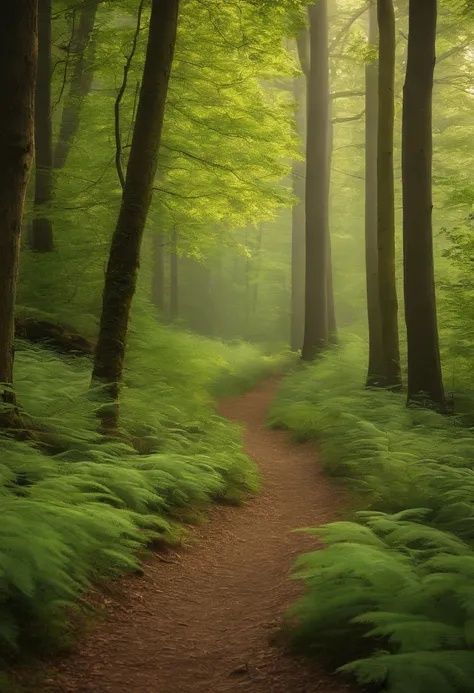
(122, 268)
(298, 211)
(374, 370)
(206, 299)
(332, 324)
(41, 238)
(316, 198)
(18, 56)
(158, 274)
(82, 48)
(257, 270)
(174, 276)
(424, 365)
(247, 296)
(391, 376)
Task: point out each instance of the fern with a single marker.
(391, 595)
(79, 513)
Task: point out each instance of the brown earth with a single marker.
(205, 621)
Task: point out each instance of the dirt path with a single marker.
(202, 624)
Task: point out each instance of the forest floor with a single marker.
(207, 621)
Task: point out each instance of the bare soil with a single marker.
(205, 620)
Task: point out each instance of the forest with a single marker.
(236, 346)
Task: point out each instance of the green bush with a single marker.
(392, 593)
(76, 506)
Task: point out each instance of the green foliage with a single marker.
(405, 587)
(401, 577)
(75, 506)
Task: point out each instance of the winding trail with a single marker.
(204, 622)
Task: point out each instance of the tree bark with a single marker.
(174, 277)
(42, 239)
(257, 270)
(80, 82)
(18, 56)
(316, 198)
(122, 268)
(158, 274)
(205, 311)
(390, 375)
(424, 365)
(298, 210)
(332, 323)
(247, 295)
(374, 371)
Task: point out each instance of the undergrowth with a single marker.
(391, 598)
(76, 506)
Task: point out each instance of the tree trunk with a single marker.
(257, 270)
(80, 83)
(390, 375)
(42, 239)
(174, 276)
(316, 198)
(424, 365)
(18, 55)
(374, 370)
(158, 274)
(122, 268)
(205, 312)
(332, 324)
(298, 214)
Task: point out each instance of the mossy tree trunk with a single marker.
(371, 253)
(316, 197)
(42, 239)
(390, 366)
(425, 380)
(18, 58)
(122, 268)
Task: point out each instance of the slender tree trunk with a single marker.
(158, 273)
(332, 324)
(424, 365)
(206, 299)
(391, 376)
(42, 239)
(298, 217)
(257, 270)
(247, 279)
(374, 370)
(316, 199)
(174, 276)
(218, 292)
(122, 268)
(80, 83)
(18, 56)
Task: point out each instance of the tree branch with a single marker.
(347, 119)
(66, 62)
(121, 92)
(453, 51)
(345, 94)
(346, 28)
